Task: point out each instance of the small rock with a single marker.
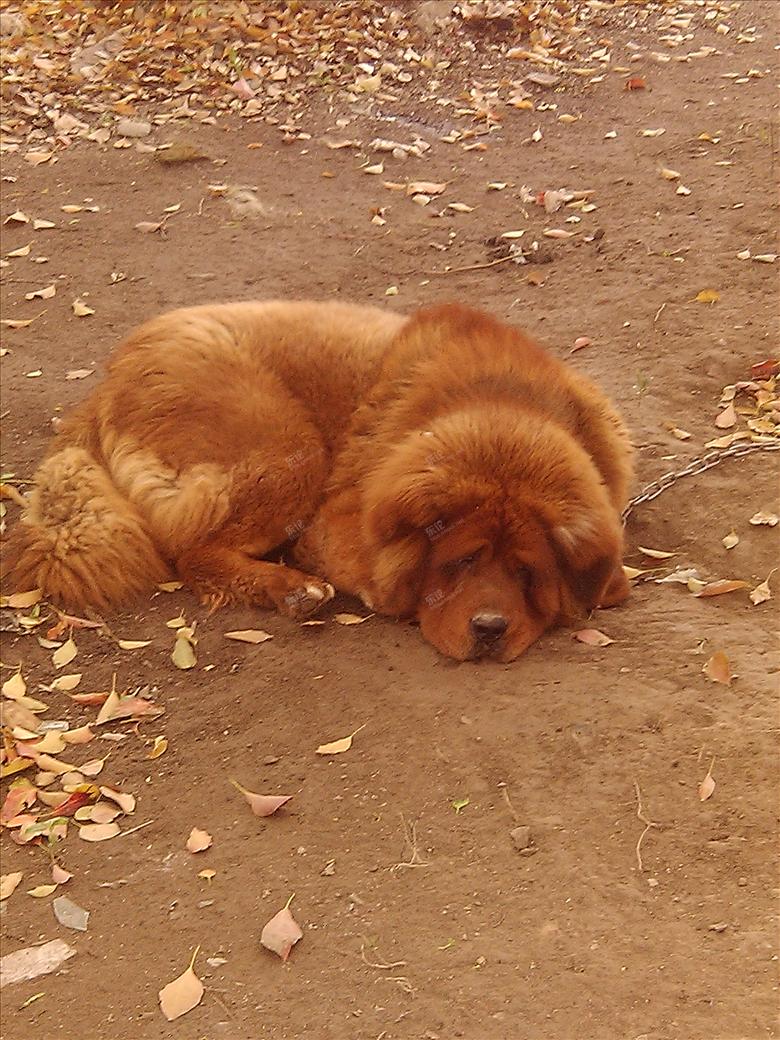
(133, 128)
(203, 903)
(521, 837)
(742, 881)
(720, 926)
(270, 760)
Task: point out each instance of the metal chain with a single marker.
(699, 465)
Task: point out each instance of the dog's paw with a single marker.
(306, 599)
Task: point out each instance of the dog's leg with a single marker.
(222, 575)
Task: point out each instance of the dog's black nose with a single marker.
(488, 628)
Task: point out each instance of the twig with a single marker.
(658, 313)
(372, 964)
(404, 983)
(132, 830)
(474, 267)
(648, 824)
(505, 793)
(410, 837)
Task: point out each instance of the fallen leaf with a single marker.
(707, 786)
(126, 802)
(159, 748)
(350, 619)
(133, 644)
(43, 225)
(80, 309)
(634, 572)
(336, 747)
(718, 668)
(762, 519)
(460, 207)
(557, 233)
(70, 914)
(65, 654)
(99, 831)
(147, 227)
(20, 600)
(21, 795)
(79, 373)
(375, 169)
(721, 587)
(731, 540)
(460, 804)
(42, 294)
(15, 687)
(183, 655)
(593, 637)
(93, 767)
(66, 683)
(82, 735)
(16, 323)
(262, 804)
(41, 891)
(59, 875)
(198, 841)
(669, 175)
(33, 961)
(249, 635)
(707, 296)
(761, 593)
(9, 884)
(183, 994)
(425, 187)
(636, 83)
(170, 586)
(580, 342)
(281, 933)
(656, 554)
(179, 152)
(17, 217)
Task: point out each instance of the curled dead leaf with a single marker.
(183, 994)
(336, 747)
(592, 637)
(262, 804)
(281, 933)
(198, 841)
(720, 588)
(718, 668)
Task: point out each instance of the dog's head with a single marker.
(489, 529)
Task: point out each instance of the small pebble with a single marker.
(133, 128)
(521, 837)
(270, 760)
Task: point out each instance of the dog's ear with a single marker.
(399, 552)
(589, 552)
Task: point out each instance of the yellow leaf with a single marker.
(159, 747)
(721, 587)
(707, 296)
(183, 994)
(170, 586)
(9, 883)
(66, 683)
(669, 175)
(64, 654)
(15, 687)
(80, 309)
(133, 644)
(42, 294)
(592, 637)
(336, 747)
(20, 600)
(707, 786)
(656, 554)
(207, 875)
(731, 540)
(183, 655)
(41, 891)
(350, 619)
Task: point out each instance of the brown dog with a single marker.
(440, 466)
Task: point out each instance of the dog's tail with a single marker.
(80, 541)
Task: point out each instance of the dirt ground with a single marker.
(478, 939)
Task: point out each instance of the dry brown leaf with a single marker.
(707, 296)
(82, 735)
(707, 786)
(133, 644)
(198, 841)
(41, 891)
(59, 875)
(262, 804)
(42, 294)
(20, 600)
(762, 519)
(592, 637)
(721, 587)
(425, 188)
(281, 933)
(761, 593)
(170, 586)
(731, 540)
(336, 747)
(718, 668)
(183, 994)
(81, 310)
(126, 802)
(249, 635)
(66, 683)
(668, 174)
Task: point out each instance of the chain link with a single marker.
(699, 465)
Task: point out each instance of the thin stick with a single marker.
(505, 793)
(474, 267)
(648, 824)
(410, 836)
(372, 964)
(140, 827)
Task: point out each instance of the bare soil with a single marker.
(478, 940)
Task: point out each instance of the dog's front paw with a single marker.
(304, 600)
